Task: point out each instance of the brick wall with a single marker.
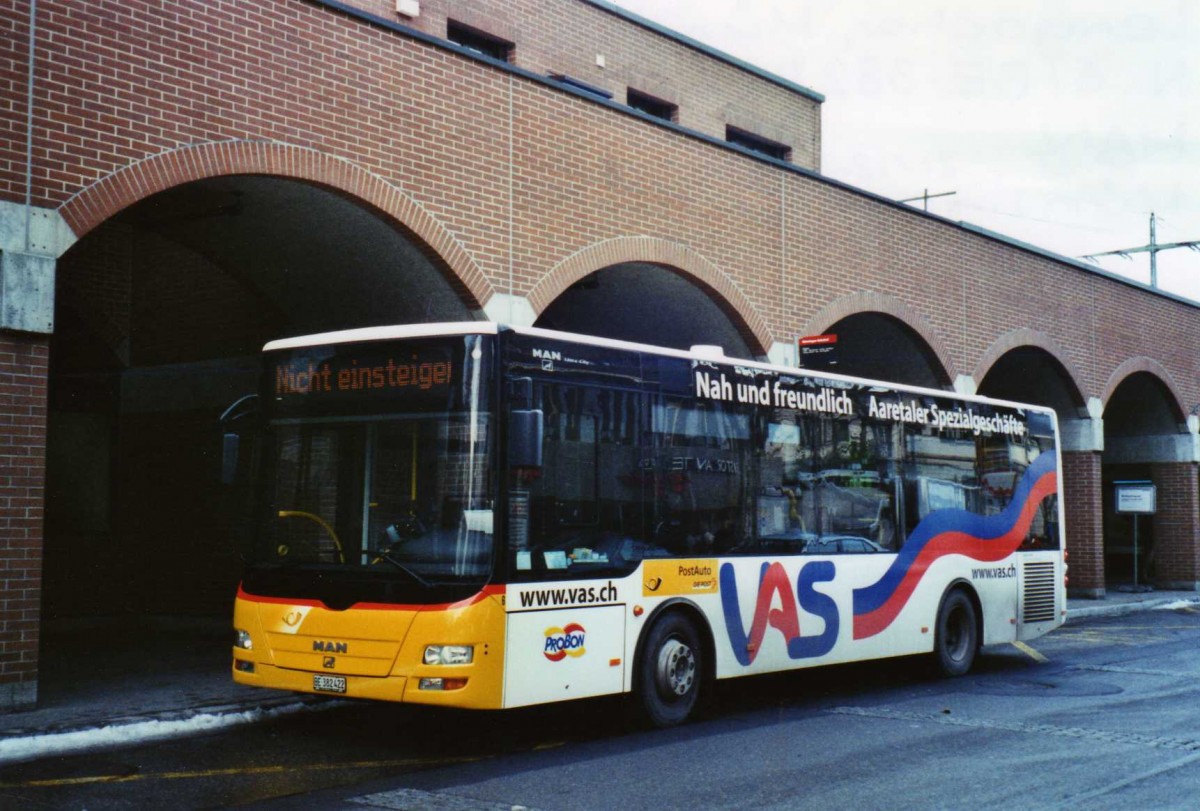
(23, 370)
(567, 36)
(1084, 516)
(141, 85)
(1176, 562)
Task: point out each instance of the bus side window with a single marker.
(1044, 530)
(702, 459)
(940, 473)
(587, 501)
(786, 514)
(849, 492)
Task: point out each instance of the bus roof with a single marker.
(700, 353)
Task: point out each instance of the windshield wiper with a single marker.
(384, 554)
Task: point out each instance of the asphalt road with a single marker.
(1103, 713)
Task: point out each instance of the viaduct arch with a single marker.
(670, 256)
(111, 194)
(913, 327)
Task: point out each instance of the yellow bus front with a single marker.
(440, 654)
(369, 572)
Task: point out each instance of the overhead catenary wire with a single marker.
(1153, 248)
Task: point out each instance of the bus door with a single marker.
(567, 550)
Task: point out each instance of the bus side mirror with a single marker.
(245, 408)
(525, 425)
(525, 428)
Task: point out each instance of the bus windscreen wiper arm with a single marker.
(383, 554)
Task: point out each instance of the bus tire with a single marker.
(957, 637)
(671, 671)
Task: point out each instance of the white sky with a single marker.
(1062, 123)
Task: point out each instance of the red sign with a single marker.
(818, 351)
(818, 340)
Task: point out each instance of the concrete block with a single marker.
(26, 292)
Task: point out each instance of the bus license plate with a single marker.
(329, 684)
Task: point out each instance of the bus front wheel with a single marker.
(671, 671)
(957, 638)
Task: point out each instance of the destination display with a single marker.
(351, 374)
(366, 378)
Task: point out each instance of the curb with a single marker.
(1120, 609)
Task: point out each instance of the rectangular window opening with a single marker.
(652, 106)
(757, 143)
(478, 41)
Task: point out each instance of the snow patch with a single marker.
(24, 748)
(1176, 605)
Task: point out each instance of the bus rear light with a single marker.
(441, 684)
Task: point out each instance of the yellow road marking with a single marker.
(1030, 652)
(237, 772)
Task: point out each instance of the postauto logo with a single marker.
(564, 642)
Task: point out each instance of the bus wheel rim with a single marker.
(676, 671)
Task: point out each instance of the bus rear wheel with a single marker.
(957, 638)
(671, 671)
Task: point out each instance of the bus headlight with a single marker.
(242, 640)
(449, 654)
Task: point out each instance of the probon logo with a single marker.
(564, 642)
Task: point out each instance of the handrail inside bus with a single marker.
(323, 524)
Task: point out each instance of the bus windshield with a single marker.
(379, 463)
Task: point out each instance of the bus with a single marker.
(484, 516)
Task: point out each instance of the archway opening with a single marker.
(1030, 374)
(647, 303)
(1143, 429)
(881, 347)
(160, 314)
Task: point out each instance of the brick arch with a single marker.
(1023, 337)
(669, 255)
(871, 302)
(1142, 363)
(103, 199)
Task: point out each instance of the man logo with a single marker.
(329, 662)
